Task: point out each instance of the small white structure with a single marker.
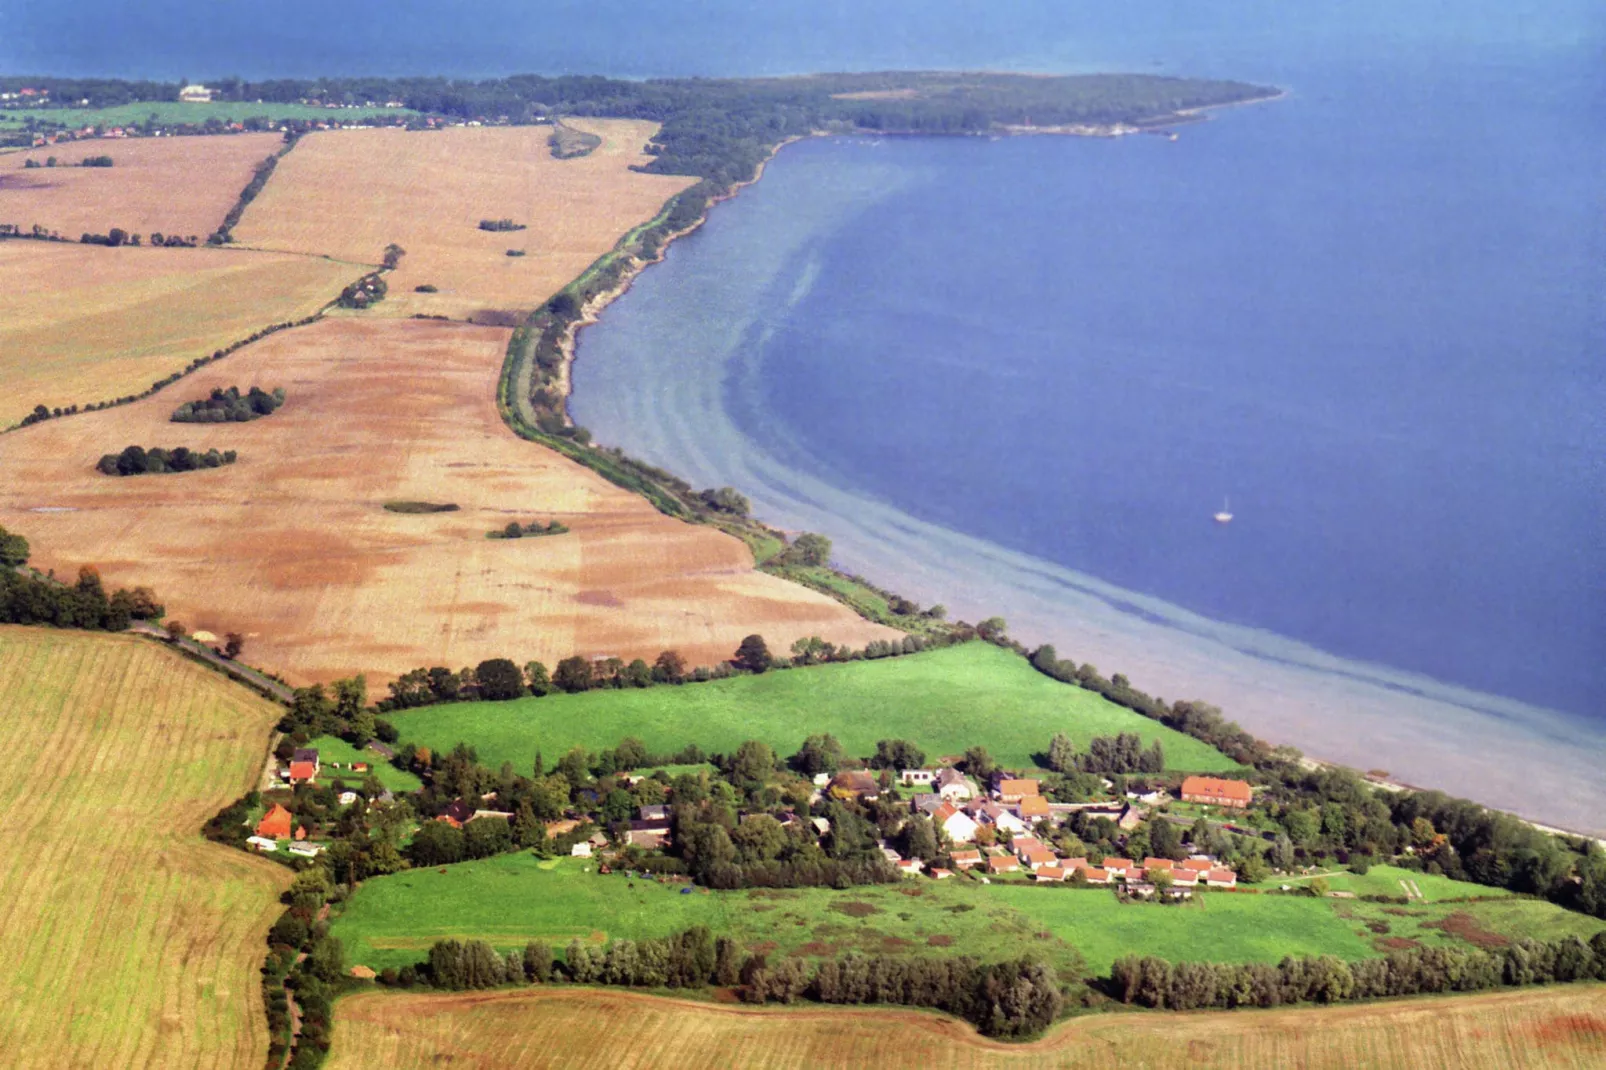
(580, 850)
(822, 779)
(821, 825)
(917, 776)
(195, 94)
(306, 850)
(910, 867)
(347, 798)
(262, 843)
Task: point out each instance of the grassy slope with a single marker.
(945, 701)
(128, 940)
(335, 749)
(1385, 880)
(508, 900)
(1560, 1028)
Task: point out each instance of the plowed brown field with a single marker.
(82, 324)
(128, 941)
(292, 545)
(174, 185)
(349, 193)
(1563, 1028)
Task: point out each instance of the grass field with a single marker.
(335, 749)
(81, 324)
(511, 899)
(1385, 880)
(349, 193)
(1560, 1028)
(944, 700)
(128, 940)
(176, 112)
(177, 185)
(292, 546)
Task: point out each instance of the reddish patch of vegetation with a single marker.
(940, 940)
(763, 948)
(914, 893)
(856, 908)
(815, 949)
(1396, 943)
(895, 943)
(1466, 927)
(1588, 1029)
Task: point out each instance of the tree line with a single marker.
(1013, 999)
(1186, 986)
(28, 598)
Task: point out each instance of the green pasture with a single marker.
(175, 112)
(944, 700)
(335, 749)
(1385, 880)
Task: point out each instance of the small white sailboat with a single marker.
(1225, 516)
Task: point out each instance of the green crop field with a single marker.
(944, 700)
(168, 111)
(334, 749)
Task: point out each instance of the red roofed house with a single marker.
(1184, 878)
(1152, 864)
(1096, 875)
(967, 858)
(1002, 864)
(303, 765)
(275, 824)
(1050, 873)
(1221, 878)
(1033, 807)
(955, 822)
(1120, 867)
(1013, 791)
(1037, 857)
(1214, 791)
(1197, 865)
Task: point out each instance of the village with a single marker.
(1002, 829)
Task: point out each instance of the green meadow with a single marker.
(1386, 880)
(515, 898)
(169, 111)
(944, 700)
(335, 749)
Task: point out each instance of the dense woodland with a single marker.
(230, 406)
(29, 598)
(139, 461)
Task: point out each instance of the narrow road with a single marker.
(243, 673)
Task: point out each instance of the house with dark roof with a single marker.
(854, 784)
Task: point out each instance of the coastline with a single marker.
(1147, 668)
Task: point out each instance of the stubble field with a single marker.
(1562, 1028)
(292, 546)
(348, 194)
(174, 185)
(128, 940)
(81, 324)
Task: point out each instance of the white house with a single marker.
(955, 823)
(917, 776)
(347, 798)
(262, 843)
(195, 94)
(306, 850)
(910, 867)
(953, 785)
(580, 850)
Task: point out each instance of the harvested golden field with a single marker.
(170, 185)
(81, 324)
(128, 939)
(349, 193)
(292, 546)
(1562, 1027)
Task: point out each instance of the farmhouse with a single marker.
(651, 835)
(303, 765)
(1013, 791)
(1119, 867)
(910, 867)
(262, 843)
(966, 858)
(1036, 858)
(917, 776)
(927, 802)
(955, 822)
(1214, 791)
(1050, 873)
(1154, 865)
(855, 785)
(1002, 864)
(1221, 878)
(659, 812)
(275, 824)
(953, 785)
(1032, 807)
(1095, 875)
(458, 814)
(990, 813)
(306, 850)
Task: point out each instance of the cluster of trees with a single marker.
(31, 599)
(230, 406)
(515, 530)
(1122, 753)
(306, 962)
(50, 161)
(112, 238)
(173, 241)
(138, 461)
(1154, 982)
(366, 291)
(500, 225)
